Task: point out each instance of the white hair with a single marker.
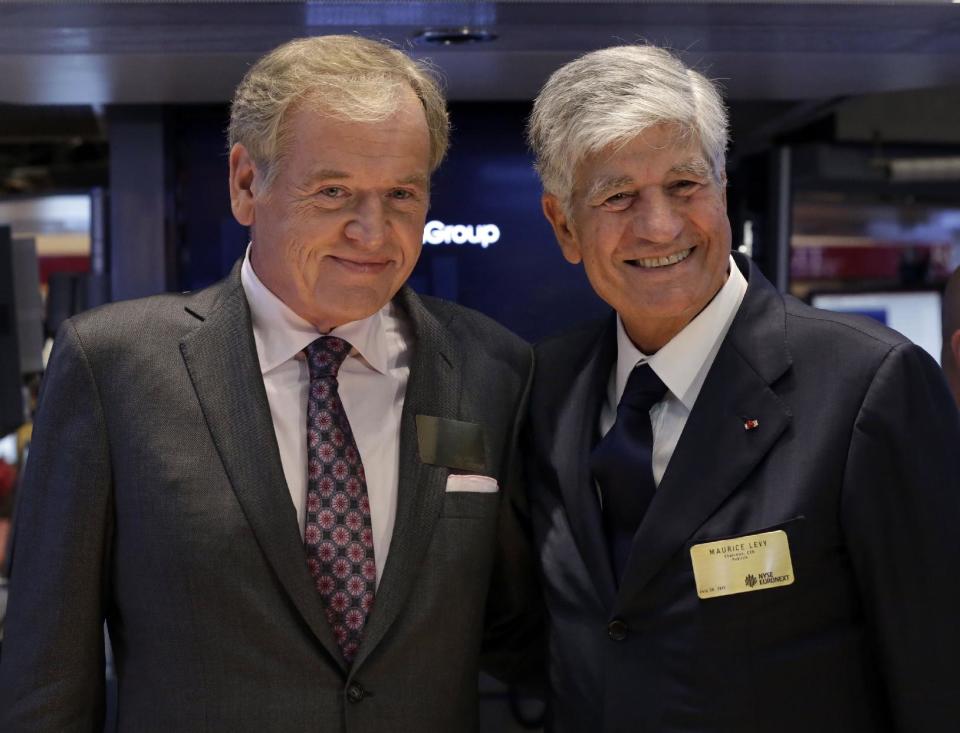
(348, 77)
(610, 96)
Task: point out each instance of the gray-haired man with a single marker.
(288, 494)
(746, 508)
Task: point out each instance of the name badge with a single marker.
(742, 564)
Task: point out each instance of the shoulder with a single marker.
(807, 321)
(476, 332)
(143, 323)
(844, 362)
(772, 331)
(844, 344)
(583, 351)
(572, 341)
(561, 358)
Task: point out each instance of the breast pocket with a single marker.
(470, 506)
(469, 496)
(464, 544)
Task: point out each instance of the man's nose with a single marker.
(367, 226)
(657, 219)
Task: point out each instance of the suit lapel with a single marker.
(221, 359)
(716, 452)
(433, 388)
(576, 424)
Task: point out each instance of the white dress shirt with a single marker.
(682, 365)
(372, 385)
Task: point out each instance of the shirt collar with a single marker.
(683, 362)
(280, 334)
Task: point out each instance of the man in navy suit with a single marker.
(747, 509)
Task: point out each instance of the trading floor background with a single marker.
(844, 170)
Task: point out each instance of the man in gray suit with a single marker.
(289, 495)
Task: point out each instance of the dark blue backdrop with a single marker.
(488, 178)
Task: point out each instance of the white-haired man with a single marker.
(286, 494)
(746, 509)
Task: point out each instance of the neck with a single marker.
(653, 335)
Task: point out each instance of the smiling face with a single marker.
(340, 227)
(648, 220)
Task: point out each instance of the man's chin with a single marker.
(353, 304)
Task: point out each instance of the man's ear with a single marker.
(562, 228)
(242, 174)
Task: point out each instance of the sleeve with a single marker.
(901, 515)
(52, 657)
(515, 639)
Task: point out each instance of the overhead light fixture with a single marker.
(453, 36)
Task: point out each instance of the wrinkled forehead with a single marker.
(660, 151)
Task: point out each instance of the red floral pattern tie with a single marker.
(337, 536)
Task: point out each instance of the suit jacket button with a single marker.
(617, 630)
(355, 692)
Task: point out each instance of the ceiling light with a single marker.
(453, 36)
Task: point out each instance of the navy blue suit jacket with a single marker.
(856, 456)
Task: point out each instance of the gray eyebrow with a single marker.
(416, 179)
(693, 167)
(607, 183)
(331, 174)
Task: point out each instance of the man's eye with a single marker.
(401, 194)
(618, 200)
(332, 192)
(684, 186)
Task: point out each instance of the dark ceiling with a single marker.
(145, 52)
(802, 71)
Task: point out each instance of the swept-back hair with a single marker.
(348, 77)
(610, 96)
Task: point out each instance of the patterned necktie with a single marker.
(337, 536)
(622, 464)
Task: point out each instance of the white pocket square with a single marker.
(469, 482)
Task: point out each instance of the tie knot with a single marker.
(325, 355)
(644, 389)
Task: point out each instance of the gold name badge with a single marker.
(742, 564)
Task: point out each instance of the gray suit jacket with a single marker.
(855, 455)
(154, 498)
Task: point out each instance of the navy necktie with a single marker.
(622, 464)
